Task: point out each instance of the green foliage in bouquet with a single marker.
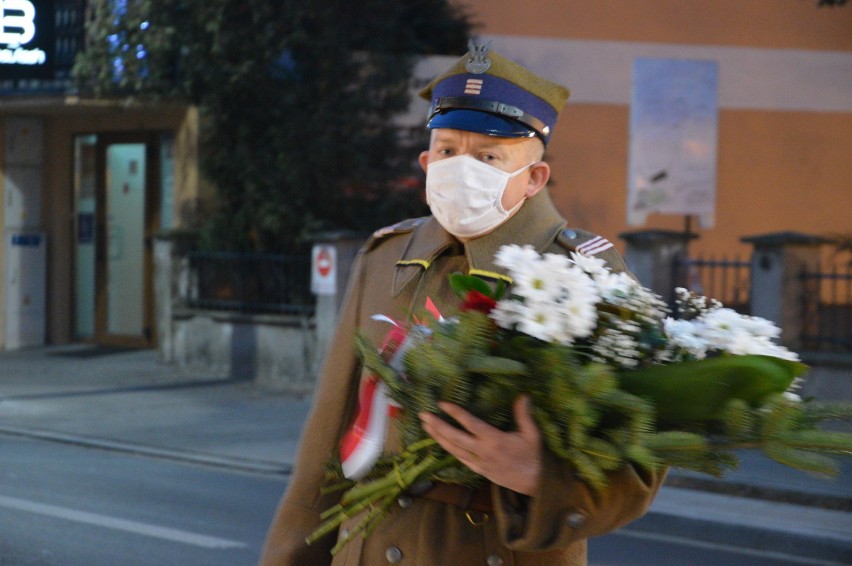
(630, 387)
(584, 417)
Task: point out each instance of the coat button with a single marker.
(405, 501)
(394, 555)
(575, 519)
(494, 560)
(344, 533)
(570, 234)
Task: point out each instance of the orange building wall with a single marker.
(777, 169)
(792, 24)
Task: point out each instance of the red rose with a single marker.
(476, 301)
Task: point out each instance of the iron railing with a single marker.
(827, 310)
(249, 282)
(726, 280)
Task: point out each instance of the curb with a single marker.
(228, 462)
(765, 493)
(821, 536)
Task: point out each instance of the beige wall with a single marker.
(785, 116)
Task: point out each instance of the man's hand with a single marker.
(509, 459)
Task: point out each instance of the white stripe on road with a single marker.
(722, 547)
(108, 522)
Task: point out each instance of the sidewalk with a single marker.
(131, 402)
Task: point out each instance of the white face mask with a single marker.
(466, 195)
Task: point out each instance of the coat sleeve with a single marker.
(565, 509)
(298, 514)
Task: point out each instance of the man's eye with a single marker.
(488, 157)
(445, 152)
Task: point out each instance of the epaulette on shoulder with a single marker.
(583, 242)
(402, 227)
(590, 244)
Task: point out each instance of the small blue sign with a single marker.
(31, 240)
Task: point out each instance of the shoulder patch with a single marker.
(590, 244)
(583, 242)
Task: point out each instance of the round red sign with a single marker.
(323, 262)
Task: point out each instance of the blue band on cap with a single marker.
(497, 89)
(482, 123)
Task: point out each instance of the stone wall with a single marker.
(273, 351)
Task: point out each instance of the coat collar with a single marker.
(537, 224)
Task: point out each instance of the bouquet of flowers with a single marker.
(612, 378)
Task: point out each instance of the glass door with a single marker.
(126, 219)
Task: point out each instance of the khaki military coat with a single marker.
(397, 269)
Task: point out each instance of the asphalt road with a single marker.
(65, 505)
(634, 547)
(69, 505)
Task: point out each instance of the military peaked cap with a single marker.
(486, 93)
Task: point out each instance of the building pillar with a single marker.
(653, 257)
(24, 251)
(170, 275)
(331, 287)
(778, 292)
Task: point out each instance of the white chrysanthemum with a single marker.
(764, 346)
(739, 342)
(516, 258)
(540, 280)
(594, 266)
(507, 313)
(617, 345)
(553, 299)
(577, 300)
(729, 331)
(762, 327)
(557, 262)
(720, 326)
(621, 290)
(790, 396)
(686, 334)
(578, 314)
(540, 320)
(613, 286)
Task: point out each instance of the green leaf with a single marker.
(496, 366)
(462, 284)
(696, 391)
(373, 361)
(802, 459)
(819, 440)
(499, 290)
(677, 441)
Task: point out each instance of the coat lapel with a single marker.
(427, 242)
(536, 224)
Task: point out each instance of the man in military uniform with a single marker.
(490, 121)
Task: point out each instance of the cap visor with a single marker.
(480, 122)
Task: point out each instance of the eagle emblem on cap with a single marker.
(478, 61)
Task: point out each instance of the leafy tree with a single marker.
(297, 98)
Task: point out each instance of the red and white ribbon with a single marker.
(363, 443)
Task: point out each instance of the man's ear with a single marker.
(539, 175)
(424, 160)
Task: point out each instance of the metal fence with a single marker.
(827, 310)
(727, 281)
(249, 282)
